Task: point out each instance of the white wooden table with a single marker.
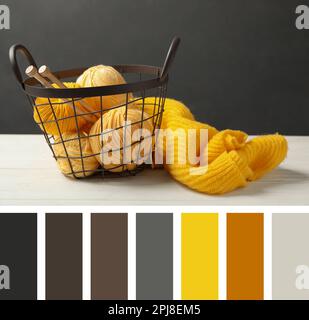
(29, 176)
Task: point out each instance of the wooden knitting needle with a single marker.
(32, 72)
(45, 71)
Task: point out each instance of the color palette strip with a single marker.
(195, 268)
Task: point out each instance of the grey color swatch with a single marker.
(154, 256)
(18, 256)
(290, 264)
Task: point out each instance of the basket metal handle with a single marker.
(170, 58)
(13, 59)
(20, 48)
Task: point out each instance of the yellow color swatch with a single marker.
(199, 256)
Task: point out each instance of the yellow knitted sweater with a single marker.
(232, 160)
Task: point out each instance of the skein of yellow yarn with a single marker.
(101, 75)
(76, 159)
(232, 160)
(49, 117)
(113, 139)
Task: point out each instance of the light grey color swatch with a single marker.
(154, 256)
(290, 256)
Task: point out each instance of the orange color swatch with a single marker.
(245, 251)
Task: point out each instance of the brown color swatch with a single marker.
(245, 261)
(109, 255)
(63, 256)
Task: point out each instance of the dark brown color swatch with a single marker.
(109, 255)
(245, 262)
(63, 256)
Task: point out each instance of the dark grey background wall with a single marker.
(242, 64)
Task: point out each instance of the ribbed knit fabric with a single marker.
(232, 161)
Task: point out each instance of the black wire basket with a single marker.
(145, 81)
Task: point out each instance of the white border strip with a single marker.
(222, 255)
(267, 255)
(41, 257)
(132, 255)
(86, 217)
(177, 255)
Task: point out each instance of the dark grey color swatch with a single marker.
(154, 256)
(241, 65)
(18, 256)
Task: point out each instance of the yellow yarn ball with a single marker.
(114, 134)
(76, 159)
(101, 75)
(45, 117)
